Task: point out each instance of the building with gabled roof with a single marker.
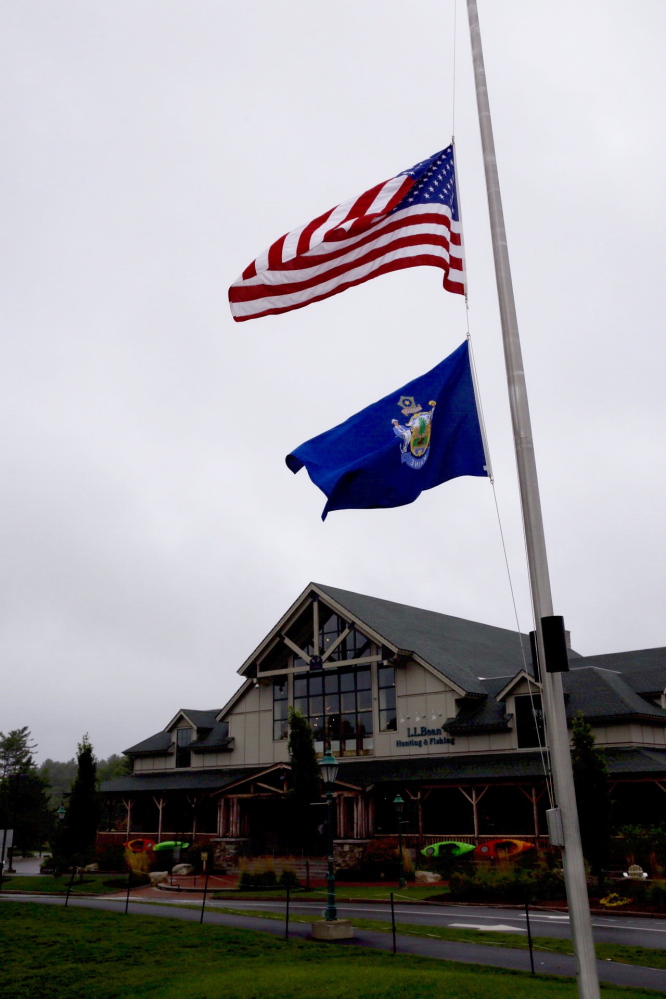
(443, 710)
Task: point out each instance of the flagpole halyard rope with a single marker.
(453, 96)
(544, 751)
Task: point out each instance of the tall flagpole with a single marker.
(553, 697)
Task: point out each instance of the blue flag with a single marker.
(413, 439)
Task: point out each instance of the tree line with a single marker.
(32, 797)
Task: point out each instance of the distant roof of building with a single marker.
(465, 652)
(603, 695)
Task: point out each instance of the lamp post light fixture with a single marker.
(399, 804)
(61, 813)
(329, 771)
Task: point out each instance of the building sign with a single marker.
(418, 737)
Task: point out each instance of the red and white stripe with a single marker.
(350, 244)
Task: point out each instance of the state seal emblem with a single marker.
(415, 434)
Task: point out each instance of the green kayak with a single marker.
(447, 847)
(170, 844)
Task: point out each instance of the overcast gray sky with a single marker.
(151, 533)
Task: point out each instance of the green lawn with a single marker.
(51, 954)
(92, 884)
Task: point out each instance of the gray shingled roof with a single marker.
(181, 780)
(155, 745)
(202, 719)
(215, 738)
(643, 669)
(604, 695)
(486, 715)
(464, 651)
(622, 761)
(489, 766)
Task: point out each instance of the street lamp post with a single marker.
(329, 771)
(399, 804)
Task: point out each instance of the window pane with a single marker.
(317, 725)
(331, 703)
(365, 723)
(387, 721)
(335, 746)
(316, 685)
(331, 683)
(183, 736)
(333, 725)
(362, 646)
(316, 705)
(346, 681)
(348, 726)
(301, 704)
(387, 698)
(280, 730)
(386, 675)
(280, 709)
(364, 700)
(363, 679)
(300, 686)
(280, 687)
(368, 745)
(349, 701)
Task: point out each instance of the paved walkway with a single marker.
(498, 957)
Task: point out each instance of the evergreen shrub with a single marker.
(504, 883)
(112, 858)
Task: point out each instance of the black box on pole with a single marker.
(555, 644)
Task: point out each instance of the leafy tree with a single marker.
(592, 797)
(23, 799)
(76, 839)
(305, 779)
(16, 751)
(24, 807)
(59, 777)
(115, 766)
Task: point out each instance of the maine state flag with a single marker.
(413, 439)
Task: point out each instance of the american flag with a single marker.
(408, 221)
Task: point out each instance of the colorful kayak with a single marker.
(503, 848)
(139, 845)
(170, 844)
(448, 848)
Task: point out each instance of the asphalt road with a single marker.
(636, 932)
(552, 964)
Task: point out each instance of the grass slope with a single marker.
(52, 954)
(92, 884)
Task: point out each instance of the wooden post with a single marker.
(535, 814)
(127, 802)
(475, 798)
(160, 806)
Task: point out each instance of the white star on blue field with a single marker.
(435, 182)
